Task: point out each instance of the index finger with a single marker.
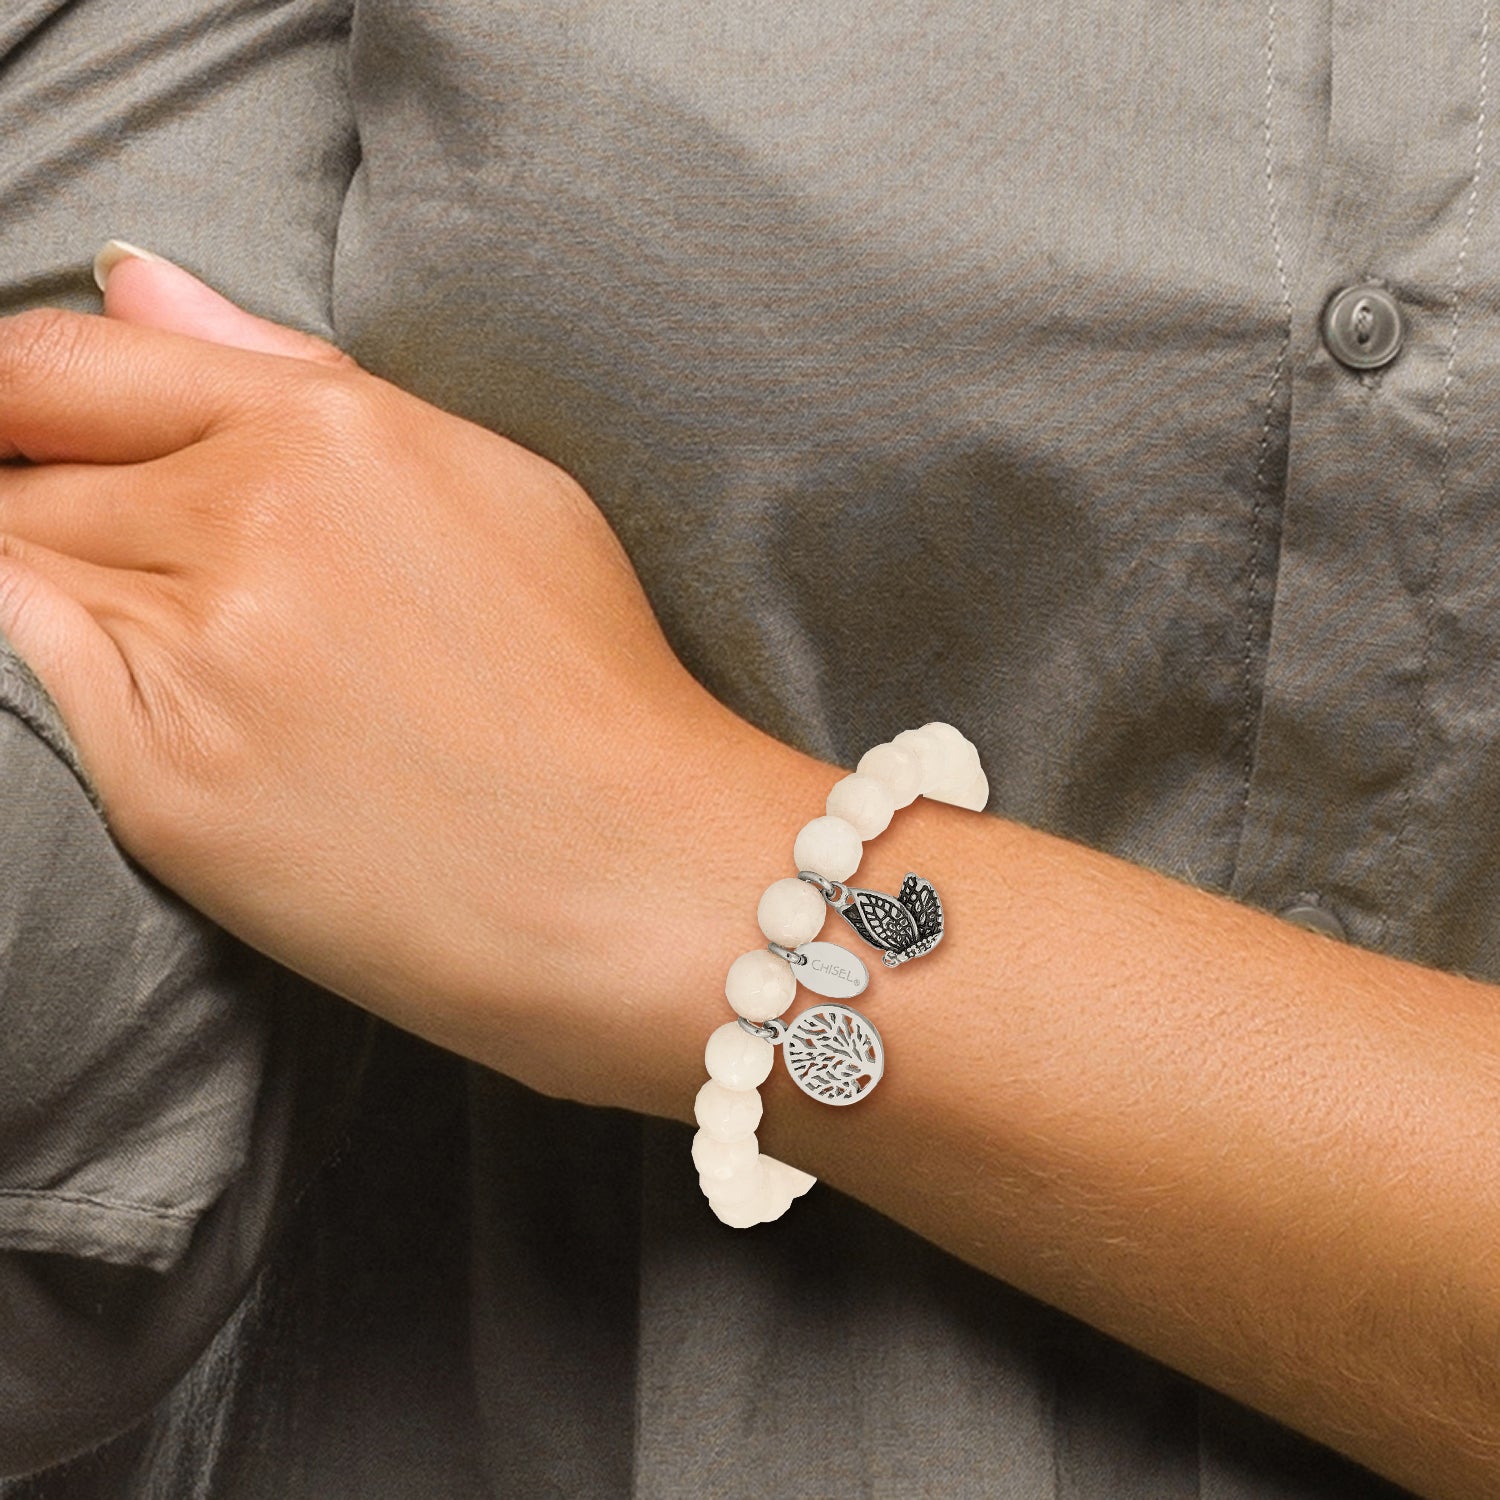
(79, 387)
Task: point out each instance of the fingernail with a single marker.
(113, 252)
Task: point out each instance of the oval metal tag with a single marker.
(830, 970)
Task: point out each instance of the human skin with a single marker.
(379, 692)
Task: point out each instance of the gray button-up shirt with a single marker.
(932, 360)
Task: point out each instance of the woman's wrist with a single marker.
(605, 996)
(759, 792)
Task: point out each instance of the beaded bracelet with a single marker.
(833, 1053)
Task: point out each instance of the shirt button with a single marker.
(1314, 919)
(1363, 327)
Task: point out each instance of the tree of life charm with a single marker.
(834, 1054)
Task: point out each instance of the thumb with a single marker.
(140, 287)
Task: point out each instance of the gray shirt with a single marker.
(952, 361)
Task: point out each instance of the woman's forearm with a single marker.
(1267, 1158)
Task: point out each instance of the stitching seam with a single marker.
(1265, 430)
(1402, 861)
(82, 1200)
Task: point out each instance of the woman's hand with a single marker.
(373, 687)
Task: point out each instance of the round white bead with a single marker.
(829, 846)
(759, 986)
(864, 802)
(782, 1177)
(947, 763)
(945, 734)
(718, 1160)
(927, 748)
(727, 1114)
(896, 766)
(975, 794)
(738, 1186)
(776, 1191)
(957, 777)
(773, 1200)
(741, 1214)
(791, 912)
(736, 1059)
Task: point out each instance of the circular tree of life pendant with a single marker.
(833, 1054)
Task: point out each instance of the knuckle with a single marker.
(332, 428)
(334, 402)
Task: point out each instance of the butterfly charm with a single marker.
(906, 928)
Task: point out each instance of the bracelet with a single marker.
(833, 1053)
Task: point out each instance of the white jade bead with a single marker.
(742, 1214)
(737, 1186)
(958, 778)
(791, 912)
(926, 747)
(945, 762)
(718, 1160)
(896, 766)
(759, 986)
(974, 795)
(864, 802)
(830, 846)
(777, 1191)
(736, 1059)
(772, 1203)
(781, 1176)
(945, 733)
(727, 1114)
(747, 1192)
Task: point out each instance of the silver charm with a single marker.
(906, 927)
(834, 1054)
(826, 969)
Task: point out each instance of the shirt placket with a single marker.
(1338, 812)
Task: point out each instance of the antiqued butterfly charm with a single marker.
(906, 927)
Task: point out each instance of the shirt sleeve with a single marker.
(164, 1090)
(130, 1052)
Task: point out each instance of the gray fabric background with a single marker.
(986, 335)
(164, 1092)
